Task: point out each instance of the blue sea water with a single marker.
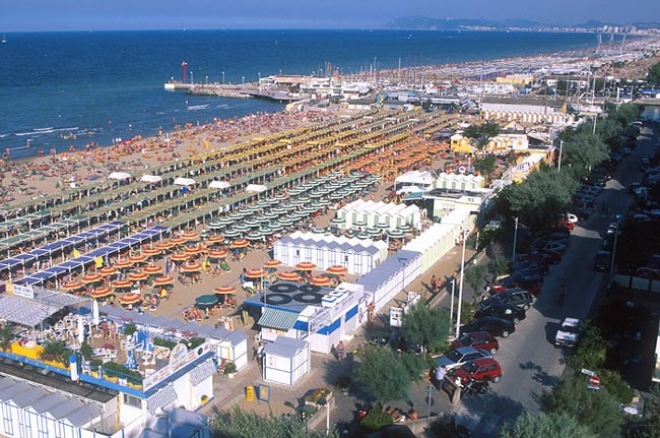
(107, 85)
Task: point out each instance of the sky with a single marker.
(68, 15)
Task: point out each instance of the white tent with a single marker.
(119, 176)
(184, 182)
(219, 185)
(151, 178)
(255, 188)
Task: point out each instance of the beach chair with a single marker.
(225, 266)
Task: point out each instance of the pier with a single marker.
(233, 91)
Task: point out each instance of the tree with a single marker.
(486, 165)
(553, 425)
(582, 152)
(385, 375)
(56, 350)
(426, 326)
(474, 276)
(481, 134)
(653, 77)
(239, 424)
(597, 409)
(591, 351)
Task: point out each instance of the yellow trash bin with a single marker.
(249, 393)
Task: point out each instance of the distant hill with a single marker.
(451, 24)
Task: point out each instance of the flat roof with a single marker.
(56, 381)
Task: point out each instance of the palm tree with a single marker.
(6, 336)
(56, 350)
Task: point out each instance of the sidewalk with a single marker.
(325, 369)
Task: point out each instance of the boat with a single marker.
(4, 38)
(197, 107)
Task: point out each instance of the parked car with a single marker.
(478, 340)
(492, 324)
(456, 358)
(568, 333)
(486, 368)
(603, 260)
(512, 313)
(515, 297)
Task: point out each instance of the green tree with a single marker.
(56, 350)
(653, 77)
(539, 199)
(597, 409)
(481, 134)
(6, 336)
(499, 266)
(553, 425)
(239, 424)
(426, 326)
(591, 351)
(486, 165)
(474, 276)
(385, 375)
(582, 152)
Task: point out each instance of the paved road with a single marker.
(529, 359)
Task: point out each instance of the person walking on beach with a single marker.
(340, 351)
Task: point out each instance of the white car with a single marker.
(568, 333)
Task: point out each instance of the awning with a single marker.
(255, 188)
(162, 399)
(202, 372)
(151, 178)
(278, 319)
(219, 185)
(119, 175)
(184, 182)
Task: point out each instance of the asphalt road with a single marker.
(528, 357)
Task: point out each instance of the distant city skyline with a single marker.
(70, 15)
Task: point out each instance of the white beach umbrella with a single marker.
(81, 330)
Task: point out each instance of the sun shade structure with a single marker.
(219, 185)
(151, 178)
(305, 266)
(225, 290)
(256, 188)
(184, 182)
(120, 176)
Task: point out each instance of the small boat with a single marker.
(4, 38)
(197, 107)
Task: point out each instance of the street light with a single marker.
(192, 77)
(515, 241)
(223, 78)
(616, 240)
(460, 287)
(453, 288)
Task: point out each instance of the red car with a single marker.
(486, 368)
(478, 340)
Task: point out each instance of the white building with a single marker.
(386, 216)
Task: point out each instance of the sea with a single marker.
(73, 88)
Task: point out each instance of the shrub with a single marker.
(86, 351)
(230, 368)
(376, 419)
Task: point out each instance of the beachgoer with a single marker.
(340, 351)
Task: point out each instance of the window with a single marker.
(132, 401)
(7, 420)
(43, 426)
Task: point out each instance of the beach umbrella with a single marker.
(359, 223)
(255, 273)
(242, 228)
(217, 238)
(289, 276)
(321, 280)
(191, 267)
(236, 216)
(269, 264)
(123, 264)
(337, 221)
(218, 253)
(130, 298)
(305, 266)
(406, 228)
(138, 276)
(217, 225)
(206, 301)
(395, 234)
(225, 290)
(255, 235)
(362, 236)
(190, 236)
(373, 232)
(74, 285)
(337, 270)
(232, 233)
(122, 284)
(179, 257)
(194, 250)
(108, 271)
(251, 223)
(164, 246)
(92, 277)
(269, 215)
(137, 259)
(101, 292)
(163, 281)
(153, 269)
(240, 243)
(151, 252)
(177, 241)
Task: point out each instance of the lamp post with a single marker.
(451, 313)
(616, 240)
(223, 78)
(561, 148)
(192, 77)
(460, 287)
(515, 241)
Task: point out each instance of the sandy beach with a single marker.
(26, 180)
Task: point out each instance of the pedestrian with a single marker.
(340, 351)
(440, 373)
(433, 289)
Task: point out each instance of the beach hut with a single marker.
(286, 360)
